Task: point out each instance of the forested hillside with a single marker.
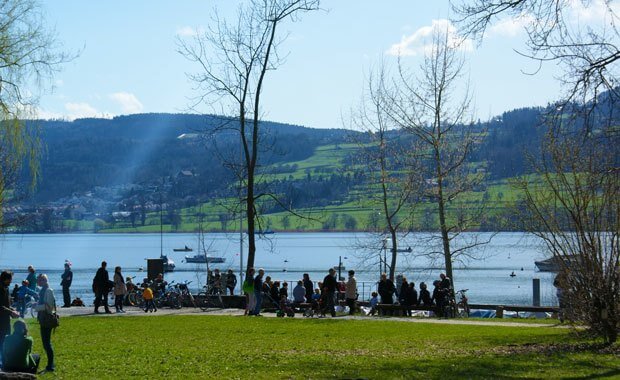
(122, 169)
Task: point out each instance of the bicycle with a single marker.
(211, 297)
(185, 296)
(462, 306)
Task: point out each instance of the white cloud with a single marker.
(128, 102)
(595, 10)
(420, 42)
(188, 31)
(80, 110)
(511, 26)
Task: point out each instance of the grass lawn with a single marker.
(200, 347)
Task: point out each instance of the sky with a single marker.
(128, 61)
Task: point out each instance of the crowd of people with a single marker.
(16, 354)
(324, 298)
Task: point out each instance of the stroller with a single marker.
(285, 308)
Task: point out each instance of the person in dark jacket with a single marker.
(309, 286)
(258, 292)
(329, 291)
(386, 290)
(101, 287)
(425, 296)
(413, 294)
(439, 296)
(404, 298)
(6, 312)
(67, 278)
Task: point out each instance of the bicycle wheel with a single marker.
(463, 310)
(202, 300)
(174, 300)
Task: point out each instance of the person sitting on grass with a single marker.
(149, 305)
(22, 297)
(374, 301)
(17, 350)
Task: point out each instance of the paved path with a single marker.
(134, 311)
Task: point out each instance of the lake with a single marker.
(286, 256)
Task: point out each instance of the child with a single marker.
(316, 301)
(147, 295)
(374, 301)
(22, 294)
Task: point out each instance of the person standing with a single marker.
(101, 287)
(6, 312)
(231, 281)
(351, 292)
(386, 290)
(329, 291)
(404, 297)
(120, 289)
(32, 278)
(67, 278)
(248, 289)
(47, 304)
(309, 286)
(258, 291)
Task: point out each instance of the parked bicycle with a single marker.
(184, 295)
(211, 297)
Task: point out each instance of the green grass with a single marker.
(192, 347)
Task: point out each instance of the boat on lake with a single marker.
(168, 263)
(202, 258)
(184, 249)
(553, 264)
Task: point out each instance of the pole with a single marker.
(241, 274)
(536, 291)
(339, 267)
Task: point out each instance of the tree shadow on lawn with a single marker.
(508, 362)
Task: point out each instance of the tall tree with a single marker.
(390, 159)
(28, 57)
(574, 209)
(235, 58)
(434, 107)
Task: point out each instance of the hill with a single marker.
(122, 170)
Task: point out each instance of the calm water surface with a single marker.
(286, 256)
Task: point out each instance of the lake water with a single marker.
(286, 256)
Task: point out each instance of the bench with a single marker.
(499, 309)
(398, 310)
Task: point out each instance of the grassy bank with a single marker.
(266, 348)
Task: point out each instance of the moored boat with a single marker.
(203, 259)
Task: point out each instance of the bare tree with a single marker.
(389, 156)
(588, 52)
(434, 107)
(28, 58)
(575, 210)
(234, 59)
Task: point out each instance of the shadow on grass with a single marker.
(554, 361)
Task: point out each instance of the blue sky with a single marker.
(129, 63)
